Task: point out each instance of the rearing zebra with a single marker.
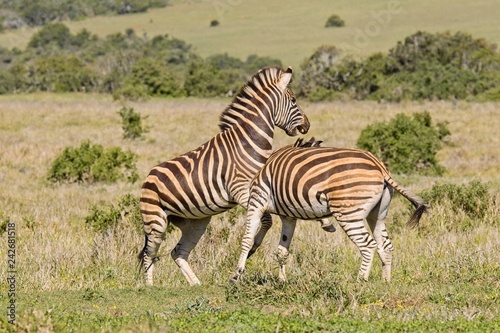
(304, 182)
(213, 178)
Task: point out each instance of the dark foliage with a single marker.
(41, 12)
(334, 21)
(423, 66)
(406, 144)
(93, 163)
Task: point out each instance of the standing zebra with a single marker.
(213, 178)
(306, 182)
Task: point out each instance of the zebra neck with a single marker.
(249, 145)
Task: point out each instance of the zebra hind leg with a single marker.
(288, 228)
(359, 235)
(192, 230)
(148, 255)
(376, 221)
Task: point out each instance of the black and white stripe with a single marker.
(190, 188)
(306, 182)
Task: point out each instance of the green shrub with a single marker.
(214, 23)
(104, 217)
(93, 163)
(254, 62)
(473, 198)
(320, 77)
(150, 77)
(334, 21)
(131, 123)
(126, 212)
(60, 74)
(204, 79)
(57, 33)
(406, 144)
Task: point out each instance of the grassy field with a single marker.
(292, 31)
(446, 273)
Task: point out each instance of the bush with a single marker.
(319, 75)
(204, 79)
(93, 163)
(253, 63)
(150, 77)
(56, 33)
(105, 217)
(131, 123)
(60, 74)
(406, 144)
(334, 21)
(473, 198)
(214, 23)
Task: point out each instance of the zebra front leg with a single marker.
(266, 223)
(252, 225)
(192, 230)
(359, 235)
(287, 229)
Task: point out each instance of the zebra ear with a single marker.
(285, 79)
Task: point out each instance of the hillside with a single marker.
(293, 31)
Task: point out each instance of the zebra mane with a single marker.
(229, 117)
(300, 143)
(311, 143)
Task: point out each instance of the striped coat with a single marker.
(187, 190)
(304, 182)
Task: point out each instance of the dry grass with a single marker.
(57, 251)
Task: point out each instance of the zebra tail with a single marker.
(140, 257)
(419, 203)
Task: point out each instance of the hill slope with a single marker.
(292, 31)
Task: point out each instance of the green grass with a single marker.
(72, 278)
(291, 31)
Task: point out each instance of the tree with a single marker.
(334, 21)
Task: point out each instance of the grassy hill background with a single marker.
(291, 31)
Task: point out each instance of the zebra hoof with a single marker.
(329, 228)
(233, 280)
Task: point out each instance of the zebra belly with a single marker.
(198, 211)
(305, 210)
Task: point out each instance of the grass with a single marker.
(292, 31)
(71, 278)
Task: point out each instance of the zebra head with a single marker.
(266, 101)
(288, 115)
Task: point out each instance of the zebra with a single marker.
(187, 190)
(305, 181)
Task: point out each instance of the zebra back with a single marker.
(305, 176)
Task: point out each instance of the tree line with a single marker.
(422, 66)
(18, 13)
